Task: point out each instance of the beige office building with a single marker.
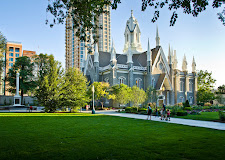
(77, 50)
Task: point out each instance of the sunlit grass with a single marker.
(87, 136)
(205, 116)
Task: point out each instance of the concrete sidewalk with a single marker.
(188, 122)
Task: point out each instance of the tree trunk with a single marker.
(102, 104)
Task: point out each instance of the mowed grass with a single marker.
(87, 136)
(205, 116)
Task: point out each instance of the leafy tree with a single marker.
(2, 50)
(220, 98)
(205, 86)
(41, 62)
(27, 79)
(84, 12)
(122, 93)
(101, 92)
(74, 89)
(138, 96)
(49, 91)
(152, 94)
(221, 89)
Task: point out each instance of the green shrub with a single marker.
(142, 109)
(128, 109)
(222, 115)
(188, 108)
(181, 113)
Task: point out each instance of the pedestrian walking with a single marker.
(161, 112)
(156, 112)
(149, 112)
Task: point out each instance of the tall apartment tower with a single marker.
(13, 51)
(76, 52)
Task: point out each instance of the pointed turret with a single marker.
(149, 52)
(193, 65)
(96, 54)
(113, 52)
(175, 60)
(169, 56)
(132, 35)
(184, 64)
(157, 37)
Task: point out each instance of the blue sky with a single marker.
(202, 37)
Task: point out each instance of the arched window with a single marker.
(181, 99)
(127, 38)
(137, 38)
(182, 86)
(138, 82)
(122, 80)
(153, 82)
(190, 87)
(191, 100)
(107, 80)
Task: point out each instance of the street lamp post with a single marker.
(93, 91)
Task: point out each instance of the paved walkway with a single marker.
(188, 122)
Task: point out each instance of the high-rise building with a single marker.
(77, 50)
(13, 51)
(29, 54)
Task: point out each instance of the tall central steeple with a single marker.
(157, 39)
(132, 35)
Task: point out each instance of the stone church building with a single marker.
(144, 68)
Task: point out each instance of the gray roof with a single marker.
(138, 59)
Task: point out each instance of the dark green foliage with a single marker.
(188, 108)
(181, 113)
(2, 50)
(89, 137)
(186, 104)
(221, 89)
(222, 115)
(27, 78)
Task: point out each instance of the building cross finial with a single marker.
(132, 13)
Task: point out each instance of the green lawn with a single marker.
(86, 136)
(205, 116)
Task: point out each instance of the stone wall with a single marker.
(8, 100)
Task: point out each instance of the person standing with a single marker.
(164, 111)
(168, 114)
(149, 111)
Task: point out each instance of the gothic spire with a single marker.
(184, 65)
(149, 52)
(169, 56)
(175, 60)
(113, 52)
(157, 37)
(193, 65)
